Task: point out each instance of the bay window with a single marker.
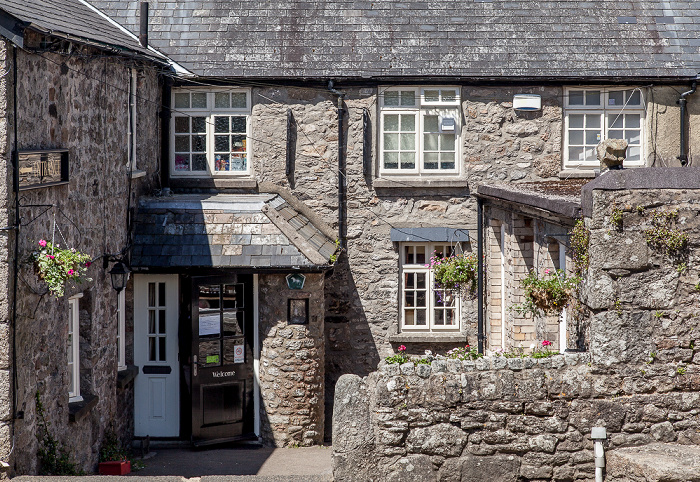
(420, 130)
(596, 114)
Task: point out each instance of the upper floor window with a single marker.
(595, 114)
(74, 349)
(423, 306)
(420, 130)
(210, 133)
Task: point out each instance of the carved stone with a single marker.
(611, 153)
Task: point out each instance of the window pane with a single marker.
(430, 160)
(575, 97)
(617, 134)
(182, 143)
(439, 320)
(238, 124)
(430, 142)
(632, 121)
(635, 98)
(576, 121)
(199, 124)
(199, 162)
(409, 298)
(615, 121)
(221, 143)
(450, 318)
(408, 142)
(447, 160)
(409, 280)
(221, 100)
(221, 124)
(634, 153)
(421, 299)
(593, 97)
(408, 98)
(408, 318)
(391, 122)
(391, 160)
(238, 144)
(221, 162)
(590, 155)
(391, 142)
(239, 162)
(199, 143)
(449, 95)
(420, 258)
(408, 160)
(420, 317)
(576, 137)
(420, 281)
(391, 97)
(593, 121)
(592, 137)
(408, 123)
(431, 95)
(430, 123)
(447, 142)
(239, 100)
(633, 137)
(616, 98)
(199, 100)
(182, 101)
(576, 153)
(182, 125)
(182, 162)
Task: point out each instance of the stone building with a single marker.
(310, 158)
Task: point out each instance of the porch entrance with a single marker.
(222, 359)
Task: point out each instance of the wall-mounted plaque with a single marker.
(42, 168)
(295, 281)
(298, 311)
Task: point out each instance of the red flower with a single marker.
(87, 264)
(402, 348)
(546, 343)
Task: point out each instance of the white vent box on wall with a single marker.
(527, 102)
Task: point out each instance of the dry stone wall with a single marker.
(73, 103)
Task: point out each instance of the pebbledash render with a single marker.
(285, 202)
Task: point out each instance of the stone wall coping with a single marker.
(420, 183)
(637, 179)
(484, 364)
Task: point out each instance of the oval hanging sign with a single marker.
(295, 281)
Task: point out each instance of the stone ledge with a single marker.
(383, 183)
(126, 376)
(79, 410)
(428, 338)
(199, 183)
(577, 174)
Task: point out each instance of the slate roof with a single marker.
(479, 39)
(76, 19)
(561, 197)
(226, 231)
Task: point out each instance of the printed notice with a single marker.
(238, 354)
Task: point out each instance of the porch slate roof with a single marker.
(226, 231)
(559, 197)
(74, 19)
(477, 39)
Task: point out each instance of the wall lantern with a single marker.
(527, 102)
(120, 275)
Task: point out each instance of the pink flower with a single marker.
(50, 256)
(546, 271)
(42, 243)
(87, 264)
(546, 342)
(402, 348)
(70, 272)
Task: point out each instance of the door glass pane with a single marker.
(209, 324)
(161, 322)
(230, 345)
(161, 345)
(161, 294)
(210, 353)
(151, 294)
(151, 348)
(151, 322)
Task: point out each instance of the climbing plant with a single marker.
(579, 239)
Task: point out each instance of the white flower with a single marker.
(428, 352)
(532, 347)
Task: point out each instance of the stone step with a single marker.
(654, 463)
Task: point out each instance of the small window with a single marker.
(121, 330)
(424, 307)
(74, 349)
(133, 82)
(593, 115)
(210, 133)
(420, 130)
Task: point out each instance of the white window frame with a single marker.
(133, 82)
(430, 327)
(209, 113)
(74, 347)
(604, 111)
(422, 107)
(121, 330)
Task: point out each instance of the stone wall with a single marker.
(291, 364)
(79, 103)
(505, 419)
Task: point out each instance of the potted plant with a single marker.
(548, 294)
(113, 458)
(57, 266)
(457, 272)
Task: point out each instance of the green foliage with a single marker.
(547, 294)
(399, 358)
(617, 306)
(681, 370)
(664, 236)
(580, 237)
(640, 210)
(334, 256)
(53, 458)
(682, 268)
(616, 218)
(464, 353)
(57, 266)
(652, 357)
(659, 314)
(112, 449)
(538, 351)
(458, 272)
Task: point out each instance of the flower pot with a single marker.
(121, 467)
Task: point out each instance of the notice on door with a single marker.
(238, 354)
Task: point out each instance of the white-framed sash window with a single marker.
(593, 114)
(210, 133)
(74, 348)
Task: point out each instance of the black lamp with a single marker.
(120, 275)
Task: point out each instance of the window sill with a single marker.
(577, 174)
(79, 410)
(126, 376)
(213, 183)
(428, 338)
(385, 183)
(136, 173)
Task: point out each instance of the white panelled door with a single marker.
(157, 389)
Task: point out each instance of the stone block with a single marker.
(442, 439)
(621, 338)
(477, 468)
(423, 370)
(654, 463)
(412, 468)
(407, 368)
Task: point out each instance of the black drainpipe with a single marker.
(15, 261)
(342, 184)
(682, 102)
(480, 273)
(165, 136)
(143, 26)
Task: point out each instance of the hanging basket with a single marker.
(58, 266)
